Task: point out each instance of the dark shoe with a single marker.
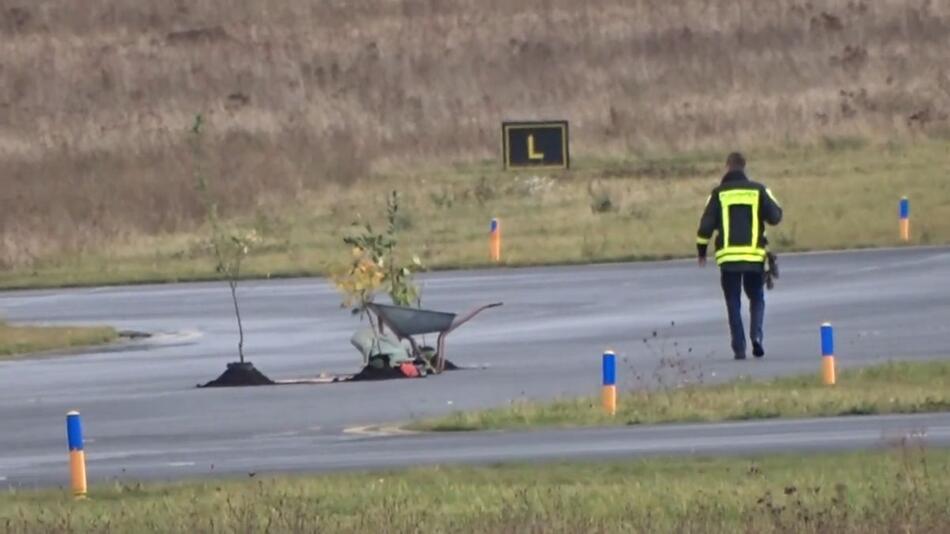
(739, 356)
(757, 350)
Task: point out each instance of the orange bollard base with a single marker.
(828, 370)
(609, 397)
(77, 470)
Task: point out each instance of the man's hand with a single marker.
(702, 261)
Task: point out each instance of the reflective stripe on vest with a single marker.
(745, 252)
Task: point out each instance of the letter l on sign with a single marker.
(531, 153)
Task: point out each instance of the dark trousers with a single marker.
(732, 285)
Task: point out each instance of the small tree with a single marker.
(230, 245)
(375, 266)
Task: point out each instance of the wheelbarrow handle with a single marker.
(459, 321)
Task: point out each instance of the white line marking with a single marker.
(165, 338)
(378, 431)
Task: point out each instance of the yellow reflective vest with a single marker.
(737, 212)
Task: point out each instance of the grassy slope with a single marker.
(900, 490)
(97, 177)
(17, 341)
(889, 388)
(838, 195)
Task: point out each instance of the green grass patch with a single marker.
(608, 208)
(18, 341)
(902, 490)
(897, 387)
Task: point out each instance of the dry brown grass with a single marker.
(96, 97)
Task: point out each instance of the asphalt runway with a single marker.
(144, 419)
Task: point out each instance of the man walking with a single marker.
(737, 211)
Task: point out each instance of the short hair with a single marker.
(736, 160)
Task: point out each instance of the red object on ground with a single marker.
(409, 370)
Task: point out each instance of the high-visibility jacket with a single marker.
(737, 211)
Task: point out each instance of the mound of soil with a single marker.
(239, 374)
(449, 366)
(373, 373)
(387, 373)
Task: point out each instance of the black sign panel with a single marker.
(535, 145)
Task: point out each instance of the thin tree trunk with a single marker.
(237, 312)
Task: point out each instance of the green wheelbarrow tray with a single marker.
(406, 322)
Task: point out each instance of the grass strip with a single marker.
(18, 341)
(894, 387)
(604, 209)
(906, 489)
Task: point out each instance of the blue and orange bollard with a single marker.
(494, 240)
(77, 458)
(609, 393)
(905, 219)
(827, 354)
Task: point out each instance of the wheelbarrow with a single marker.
(406, 322)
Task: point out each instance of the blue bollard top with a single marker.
(905, 208)
(827, 340)
(74, 431)
(610, 368)
(494, 226)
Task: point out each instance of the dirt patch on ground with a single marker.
(133, 334)
(239, 374)
(386, 373)
(372, 373)
(245, 374)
